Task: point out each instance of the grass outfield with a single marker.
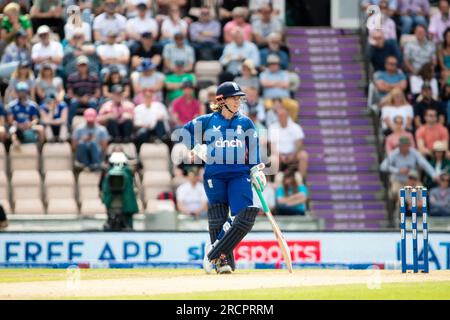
(183, 284)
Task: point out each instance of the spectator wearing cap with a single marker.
(179, 50)
(274, 81)
(78, 46)
(235, 53)
(115, 78)
(425, 75)
(400, 162)
(388, 26)
(147, 77)
(23, 73)
(266, 25)
(439, 161)
(13, 22)
(430, 132)
(54, 114)
(108, 21)
(83, 89)
(205, 35)
(135, 27)
(239, 21)
(424, 101)
(191, 195)
(47, 81)
(15, 52)
(50, 13)
(46, 50)
(440, 197)
(419, 51)
(151, 120)
(89, 142)
(413, 12)
(439, 22)
(392, 77)
(145, 48)
(186, 107)
(132, 7)
(117, 116)
(382, 48)
(23, 118)
(113, 53)
(274, 47)
(172, 25)
(398, 131)
(174, 82)
(249, 76)
(3, 131)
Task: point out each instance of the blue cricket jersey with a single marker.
(232, 144)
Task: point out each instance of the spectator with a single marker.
(115, 78)
(430, 132)
(89, 142)
(237, 51)
(253, 104)
(274, 82)
(239, 21)
(113, 53)
(23, 73)
(381, 49)
(178, 51)
(266, 25)
(3, 132)
(50, 13)
(46, 50)
(268, 194)
(286, 138)
(186, 107)
(425, 75)
(274, 47)
(109, 21)
(392, 5)
(151, 120)
(191, 196)
(400, 162)
(132, 7)
(425, 101)
(227, 7)
(440, 197)
(147, 77)
(135, 27)
(145, 48)
(205, 35)
(210, 98)
(249, 76)
(83, 89)
(392, 77)
(173, 25)
(395, 104)
(174, 81)
(444, 57)
(388, 26)
(23, 118)
(47, 81)
(54, 114)
(438, 161)
(78, 46)
(392, 140)
(446, 104)
(13, 22)
(15, 52)
(291, 198)
(86, 10)
(439, 22)
(117, 116)
(419, 51)
(413, 12)
(84, 29)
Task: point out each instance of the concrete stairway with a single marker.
(343, 178)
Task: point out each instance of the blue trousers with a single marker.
(89, 153)
(409, 21)
(232, 190)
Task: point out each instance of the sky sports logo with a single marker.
(269, 251)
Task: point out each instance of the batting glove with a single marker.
(258, 177)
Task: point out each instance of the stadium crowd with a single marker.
(410, 88)
(131, 71)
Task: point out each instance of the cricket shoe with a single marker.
(208, 266)
(222, 265)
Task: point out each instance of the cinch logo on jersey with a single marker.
(235, 143)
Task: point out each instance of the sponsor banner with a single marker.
(258, 248)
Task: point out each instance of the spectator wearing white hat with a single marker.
(249, 76)
(46, 50)
(274, 81)
(438, 161)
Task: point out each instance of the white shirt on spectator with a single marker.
(416, 82)
(54, 49)
(285, 138)
(104, 24)
(138, 25)
(116, 50)
(148, 116)
(391, 112)
(86, 27)
(192, 197)
(168, 27)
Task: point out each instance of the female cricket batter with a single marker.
(232, 166)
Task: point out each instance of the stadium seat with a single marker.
(128, 148)
(29, 206)
(88, 186)
(26, 158)
(92, 206)
(62, 206)
(26, 184)
(208, 71)
(77, 121)
(59, 185)
(155, 182)
(155, 157)
(56, 157)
